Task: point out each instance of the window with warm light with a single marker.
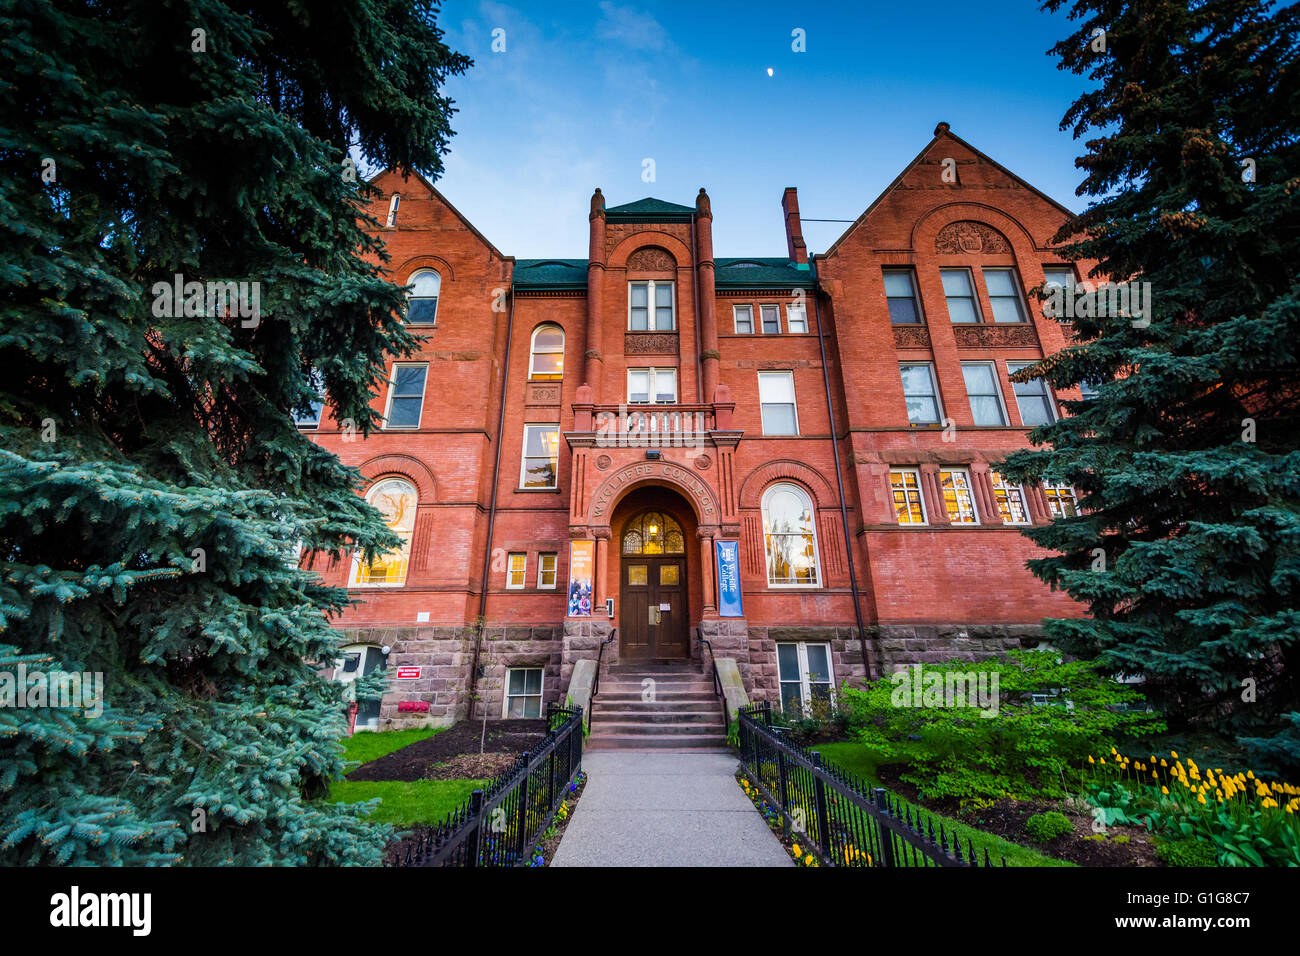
(1010, 498)
(790, 534)
(547, 353)
(905, 484)
(539, 467)
(651, 533)
(1061, 500)
(546, 575)
(958, 496)
(516, 570)
(395, 499)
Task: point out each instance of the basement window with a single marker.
(523, 697)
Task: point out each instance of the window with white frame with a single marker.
(539, 467)
(356, 661)
(523, 696)
(983, 392)
(1061, 500)
(771, 316)
(405, 396)
(516, 570)
(422, 304)
(776, 403)
(804, 672)
(310, 418)
(1032, 398)
(920, 393)
(909, 506)
(392, 209)
(790, 536)
(959, 291)
(958, 496)
(900, 294)
(742, 317)
(653, 386)
(796, 318)
(546, 575)
(651, 306)
(1004, 295)
(1010, 499)
(395, 499)
(546, 360)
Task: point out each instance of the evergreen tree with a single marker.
(1186, 461)
(153, 485)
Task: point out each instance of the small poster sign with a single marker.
(409, 672)
(582, 567)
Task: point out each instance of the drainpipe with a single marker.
(492, 506)
(867, 660)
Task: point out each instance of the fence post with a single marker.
(476, 813)
(785, 788)
(521, 834)
(550, 776)
(886, 835)
(575, 748)
(823, 815)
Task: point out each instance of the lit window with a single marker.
(789, 529)
(653, 532)
(422, 305)
(1032, 398)
(547, 352)
(540, 465)
(771, 316)
(963, 307)
(743, 318)
(920, 393)
(776, 403)
(656, 386)
(900, 293)
(392, 209)
(311, 417)
(908, 504)
(805, 675)
(405, 396)
(395, 499)
(1061, 501)
(546, 571)
(642, 317)
(1010, 499)
(796, 318)
(982, 389)
(523, 697)
(958, 498)
(1004, 295)
(516, 570)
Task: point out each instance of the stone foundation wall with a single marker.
(581, 640)
(899, 645)
(764, 682)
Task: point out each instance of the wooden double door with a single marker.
(655, 608)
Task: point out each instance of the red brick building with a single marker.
(577, 436)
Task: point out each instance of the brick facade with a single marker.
(922, 592)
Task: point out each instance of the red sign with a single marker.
(409, 673)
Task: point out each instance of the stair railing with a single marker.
(595, 681)
(717, 686)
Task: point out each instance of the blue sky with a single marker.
(586, 91)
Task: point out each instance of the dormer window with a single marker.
(392, 210)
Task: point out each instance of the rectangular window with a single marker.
(1010, 499)
(959, 290)
(920, 393)
(804, 671)
(771, 315)
(958, 497)
(311, 417)
(1087, 391)
(743, 317)
(516, 570)
(1061, 501)
(646, 386)
(908, 505)
(796, 319)
(405, 396)
(900, 293)
(776, 403)
(523, 693)
(1004, 295)
(540, 465)
(1062, 276)
(650, 306)
(985, 396)
(1032, 398)
(546, 571)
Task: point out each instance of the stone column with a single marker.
(983, 485)
(600, 573)
(704, 275)
(1039, 511)
(594, 359)
(933, 492)
(706, 536)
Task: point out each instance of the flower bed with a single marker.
(550, 841)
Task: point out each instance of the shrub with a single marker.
(1045, 827)
(1188, 853)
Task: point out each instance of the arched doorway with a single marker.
(655, 620)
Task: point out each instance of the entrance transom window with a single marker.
(653, 532)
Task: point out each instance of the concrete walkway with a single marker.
(648, 808)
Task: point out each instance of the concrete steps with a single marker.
(680, 711)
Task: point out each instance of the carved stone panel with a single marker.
(543, 393)
(970, 238)
(654, 343)
(995, 336)
(911, 337)
(651, 259)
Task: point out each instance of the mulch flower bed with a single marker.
(430, 758)
(550, 841)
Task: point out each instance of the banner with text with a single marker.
(582, 567)
(728, 561)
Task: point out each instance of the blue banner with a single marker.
(728, 561)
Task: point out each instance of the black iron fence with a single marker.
(844, 821)
(500, 825)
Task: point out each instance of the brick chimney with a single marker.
(793, 230)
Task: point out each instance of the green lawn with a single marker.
(406, 804)
(367, 745)
(859, 760)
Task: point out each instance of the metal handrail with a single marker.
(717, 686)
(595, 681)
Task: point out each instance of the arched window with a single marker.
(790, 535)
(422, 305)
(547, 352)
(396, 499)
(392, 209)
(653, 532)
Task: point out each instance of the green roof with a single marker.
(650, 210)
(761, 272)
(550, 273)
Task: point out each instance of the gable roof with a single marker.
(941, 131)
(411, 174)
(650, 210)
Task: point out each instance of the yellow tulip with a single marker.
(1165, 791)
(1174, 754)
